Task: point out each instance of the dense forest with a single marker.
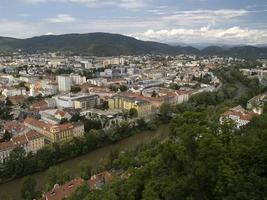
(200, 160)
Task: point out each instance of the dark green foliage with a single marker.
(86, 169)
(75, 89)
(64, 71)
(28, 189)
(16, 163)
(8, 102)
(90, 124)
(105, 44)
(56, 175)
(123, 88)
(165, 112)
(174, 86)
(201, 160)
(133, 112)
(6, 137)
(63, 120)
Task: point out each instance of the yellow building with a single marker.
(87, 102)
(30, 141)
(35, 140)
(142, 107)
(55, 133)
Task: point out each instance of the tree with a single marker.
(56, 175)
(174, 86)
(141, 124)
(133, 113)
(76, 117)
(28, 189)
(154, 94)
(165, 112)
(16, 162)
(86, 169)
(90, 124)
(7, 136)
(8, 102)
(63, 120)
(5, 197)
(75, 89)
(123, 88)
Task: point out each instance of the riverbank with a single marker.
(12, 188)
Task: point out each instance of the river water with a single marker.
(12, 188)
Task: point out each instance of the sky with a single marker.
(170, 21)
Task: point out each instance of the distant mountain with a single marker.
(106, 44)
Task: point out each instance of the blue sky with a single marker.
(176, 21)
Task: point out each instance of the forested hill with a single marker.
(106, 44)
(202, 161)
(217, 165)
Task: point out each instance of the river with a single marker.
(13, 188)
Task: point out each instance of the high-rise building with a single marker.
(64, 83)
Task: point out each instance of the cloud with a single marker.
(49, 33)
(19, 29)
(24, 15)
(233, 35)
(204, 16)
(61, 18)
(128, 4)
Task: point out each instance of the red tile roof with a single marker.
(241, 113)
(6, 145)
(31, 135)
(13, 125)
(20, 140)
(46, 126)
(64, 191)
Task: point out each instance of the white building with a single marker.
(64, 83)
(106, 73)
(238, 115)
(67, 101)
(76, 79)
(54, 116)
(12, 91)
(98, 81)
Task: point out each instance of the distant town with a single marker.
(51, 98)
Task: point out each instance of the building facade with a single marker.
(64, 83)
(87, 102)
(31, 141)
(142, 107)
(55, 133)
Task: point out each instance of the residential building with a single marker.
(77, 79)
(55, 133)
(13, 91)
(67, 101)
(124, 102)
(15, 127)
(238, 115)
(256, 104)
(60, 192)
(63, 191)
(54, 116)
(64, 83)
(31, 141)
(87, 102)
(97, 181)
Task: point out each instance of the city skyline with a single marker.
(186, 21)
